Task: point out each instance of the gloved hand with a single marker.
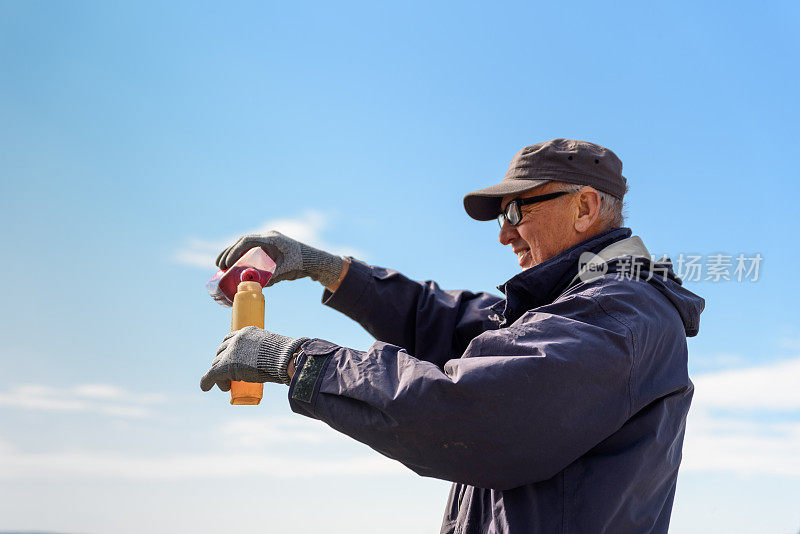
(294, 259)
(251, 355)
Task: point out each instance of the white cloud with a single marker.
(769, 387)
(307, 227)
(260, 431)
(746, 448)
(718, 361)
(91, 463)
(99, 391)
(97, 398)
(270, 434)
(267, 446)
(742, 421)
(791, 342)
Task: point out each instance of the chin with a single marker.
(530, 263)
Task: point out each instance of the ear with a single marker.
(587, 209)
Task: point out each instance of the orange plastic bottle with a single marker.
(248, 310)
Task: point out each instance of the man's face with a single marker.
(546, 228)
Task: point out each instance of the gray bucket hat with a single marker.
(563, 160)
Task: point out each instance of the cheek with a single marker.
(545, 234)
(536, 238)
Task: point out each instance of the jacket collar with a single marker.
(543, 283)
(598, 263)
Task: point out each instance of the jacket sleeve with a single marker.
(523, 403)
(429, 323)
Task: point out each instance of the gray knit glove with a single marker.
(294, 259)
(251, 355)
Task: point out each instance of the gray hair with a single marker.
(611, 207)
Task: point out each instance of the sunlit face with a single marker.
(545, 229)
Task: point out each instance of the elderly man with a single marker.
(560, 408)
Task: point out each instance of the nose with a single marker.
(508, 233)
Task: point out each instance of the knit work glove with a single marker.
(251, 355)
(294, 259)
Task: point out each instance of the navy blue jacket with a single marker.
(560, 408)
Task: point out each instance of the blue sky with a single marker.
(138, 140)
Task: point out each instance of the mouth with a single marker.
(523, 255)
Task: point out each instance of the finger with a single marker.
(218, 374)
(221, 256)
(229, 335)
(224, 385)
(238, 249)
(272, 247)
(223, 261)
(220, 350)
(207, 382)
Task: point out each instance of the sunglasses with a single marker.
(511, 212)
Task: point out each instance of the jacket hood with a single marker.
(613, 251)
(689, 305)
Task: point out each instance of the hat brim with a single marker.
(484, 204)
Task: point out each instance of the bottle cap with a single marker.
(249, 286)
